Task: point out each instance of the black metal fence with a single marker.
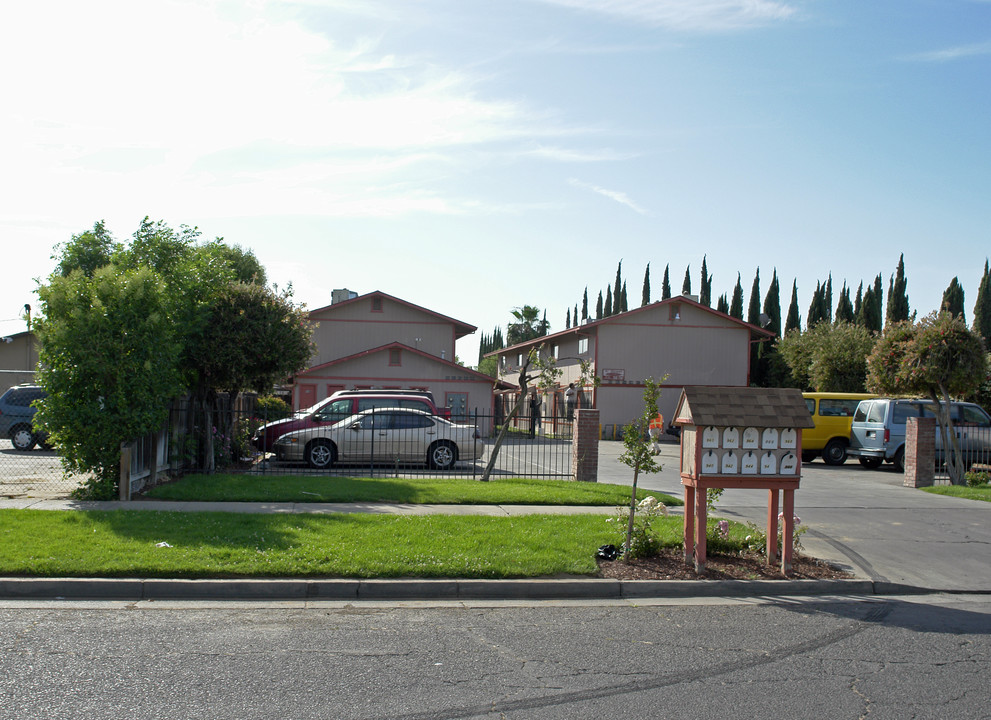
(379, 443)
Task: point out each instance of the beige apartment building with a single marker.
(690, 343)
(380, 341)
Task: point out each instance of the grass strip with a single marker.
(126, 544)
(443, 491)
(980, 492)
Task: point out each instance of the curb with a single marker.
(428, 590)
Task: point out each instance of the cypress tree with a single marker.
(567, 319)
(794, 320)
(686, 286)
(607, 309)
(585, 304)
(736, 304)
(816, 312)
(953, 299)
(575, 316)
(828, 298)
(722, 304)
(645, 293)
(705, 292)
(598, 307)
(618, 288)
(623, 305)
(665, 285)
(878, 303)
(982, 308)
(844, 308)
(858, 304)
(753, 309)
(772, 304)
(898, 307)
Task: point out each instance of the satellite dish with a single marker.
(764, 320)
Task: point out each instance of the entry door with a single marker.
(307, 396)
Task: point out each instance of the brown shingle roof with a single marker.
(743, 407)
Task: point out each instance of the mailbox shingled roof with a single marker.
(744, 407)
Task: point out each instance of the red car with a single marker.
(341, 405)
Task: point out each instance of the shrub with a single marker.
(270, 408)
(977, 478)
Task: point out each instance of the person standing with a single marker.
(534, 412)
(655, 428)
(570, 395)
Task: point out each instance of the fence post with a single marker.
(585, 445)
(920, 452)
(125, 471)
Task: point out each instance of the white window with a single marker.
(555, 352)
(583, 345)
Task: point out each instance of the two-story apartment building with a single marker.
(688, 342)
(380, 341)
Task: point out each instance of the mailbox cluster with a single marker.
(749, 451)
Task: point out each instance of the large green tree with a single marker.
(982, 308)
(828, 357)
(666, 285)
(179, 284)
(794, 320)
(898, 308)
(705, 290)
(953, 299)
(527, 326)
(736, 304)
(938, 357)
(645, 291)
(109, 359)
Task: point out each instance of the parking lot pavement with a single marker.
(866, 520)
(34, 473)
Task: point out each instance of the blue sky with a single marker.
(475, 156)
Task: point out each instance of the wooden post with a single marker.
(788, 532)
(124, 490)
(772, 526)
(689, 524)
(700, 528)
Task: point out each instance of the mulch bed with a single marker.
(669, 564)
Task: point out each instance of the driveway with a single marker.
(863, 519)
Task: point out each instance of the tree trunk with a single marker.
(633, 511)
(505, 425)
(951, 443)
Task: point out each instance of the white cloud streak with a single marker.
(954, 53)
(691, 15)
(620, 197)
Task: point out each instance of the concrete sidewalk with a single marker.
(894, 539)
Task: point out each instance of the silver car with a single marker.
(383, 435)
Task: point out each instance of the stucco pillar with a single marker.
(920, 451)
(585, 445)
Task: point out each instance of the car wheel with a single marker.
(871, 463)
(23, 438)
(442, 456)
(835, 452)
(321, 454)
(809, 455)
(900, 460)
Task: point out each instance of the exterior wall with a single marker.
(567, 354)
(690, 344)
(21, 353)
(349, 328)
(698, 349)
(415, 373)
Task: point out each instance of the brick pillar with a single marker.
(920, 451)
(585, 445)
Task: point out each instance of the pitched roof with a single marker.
(383, 348)
(460, 328)
(743, 407)
(754, 330)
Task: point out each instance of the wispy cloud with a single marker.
(693, 15)
(620, 197)
(570, 155)
(954, 53)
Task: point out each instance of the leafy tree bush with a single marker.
(109, 360)
(937, 357)
(828, 358)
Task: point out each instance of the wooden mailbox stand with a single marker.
(741, 437)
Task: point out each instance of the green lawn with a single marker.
(981, 492)
(442, 491)
(126, 544)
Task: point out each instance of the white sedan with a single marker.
(390, 435)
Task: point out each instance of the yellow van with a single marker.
(832, 414)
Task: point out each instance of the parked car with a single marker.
(339, 406)
(389, 435)
(832, 414)
(17, 415)
(877, 434)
